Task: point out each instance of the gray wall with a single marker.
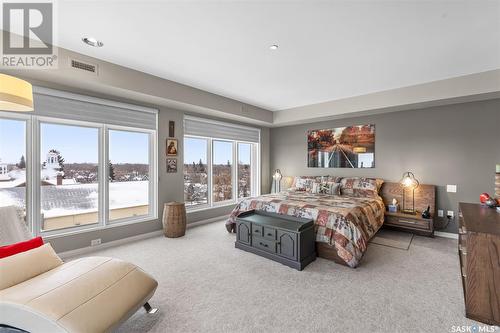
(453, 144)
(170, 185)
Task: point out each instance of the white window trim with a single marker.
(254, 162)
(33, 165)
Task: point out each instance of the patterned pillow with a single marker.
(305, 183)
(331, 188)
(360, 187)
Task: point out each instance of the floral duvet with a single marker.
(344, 222)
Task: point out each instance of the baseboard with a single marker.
(106, 245)
(211, 220)
(445, 234)
(89, 249)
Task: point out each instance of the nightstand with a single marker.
(411, 223)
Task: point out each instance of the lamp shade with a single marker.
(409, 180)
(15, 94)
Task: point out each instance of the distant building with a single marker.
(4, 174)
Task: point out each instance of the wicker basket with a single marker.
(174, 219)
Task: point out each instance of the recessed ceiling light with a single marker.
(274, 47)
(92, 42)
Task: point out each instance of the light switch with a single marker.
(440, 213)
(450, 213)
(451, 188)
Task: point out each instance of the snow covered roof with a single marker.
(69, 199)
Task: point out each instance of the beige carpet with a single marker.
(206, 285)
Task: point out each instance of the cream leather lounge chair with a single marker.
(40, 293)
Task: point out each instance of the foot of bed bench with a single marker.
(149, 309)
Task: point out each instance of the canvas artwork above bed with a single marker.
(342, 147)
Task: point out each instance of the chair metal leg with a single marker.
(149, 309)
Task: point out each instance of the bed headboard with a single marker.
(425, 195)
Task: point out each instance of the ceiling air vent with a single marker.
(83, 66)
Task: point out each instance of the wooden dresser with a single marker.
(479, 253)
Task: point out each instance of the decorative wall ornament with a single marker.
(342, 147)
(171, 147)
(171, 128)
(171, 165)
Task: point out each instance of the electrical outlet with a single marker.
(450, 213)
(440, 213)
(95, 242)
(451, 188)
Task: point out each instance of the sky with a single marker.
(194, 149)
(80, 145)
(76, 144)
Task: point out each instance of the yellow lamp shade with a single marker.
(15, 94)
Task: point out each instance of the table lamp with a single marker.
(277, 180)
(409, 182)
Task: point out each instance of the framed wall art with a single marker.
(171, 147)
(171, 165)
(341, 147)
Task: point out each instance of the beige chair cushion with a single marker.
(93, 294)
(26, 265)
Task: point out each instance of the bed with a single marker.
(343, 223)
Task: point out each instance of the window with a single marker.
(69, 191)
(79, 162)
(128, 174)
(220, 162)
(244, 170)
(195, 172)
(222, 169)
(13, 163)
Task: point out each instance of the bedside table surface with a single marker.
(417, 216)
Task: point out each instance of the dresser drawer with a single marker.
(269, 233)
(257, 230)
(264, 244)
(407, 222)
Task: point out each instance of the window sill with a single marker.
(54, 234)
(204, 208)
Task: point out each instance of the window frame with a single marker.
(34, 167)
(153, 187)
(254, 165)
(37, 169)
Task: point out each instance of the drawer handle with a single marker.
(407, 221)
(265, 245)
(269, 234)
(257, 231)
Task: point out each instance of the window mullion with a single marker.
(103, 175)
(34, 177)
(210, 172)
(235, 172)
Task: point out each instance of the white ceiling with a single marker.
(327, 50)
